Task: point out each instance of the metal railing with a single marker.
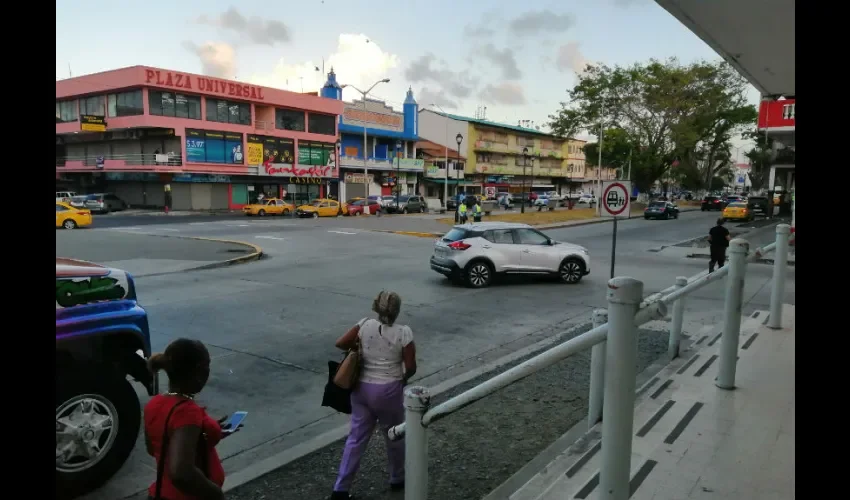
(162, 159)
(613, 340)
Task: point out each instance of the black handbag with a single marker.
(335, 396)
(201, 457)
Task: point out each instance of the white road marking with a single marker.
(341, 232)
(238, 225)
(269, 238)
(169, 229)
(198, 223)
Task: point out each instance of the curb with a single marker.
(409, 233)
(255, 255)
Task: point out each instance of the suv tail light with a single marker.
(459, 245)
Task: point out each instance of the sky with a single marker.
(517, 59)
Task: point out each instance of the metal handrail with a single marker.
(624, 293)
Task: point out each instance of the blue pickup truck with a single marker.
(102, 343)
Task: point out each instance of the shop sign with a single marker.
(200, 178)
(376, 115)
(282, 169)
(306, 180)
(92, 123)
(433, 171)
(203, 84)
(358, 178)
(409, 163)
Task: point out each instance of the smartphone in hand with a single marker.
(234, 422)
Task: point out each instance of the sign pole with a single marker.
(614, 248)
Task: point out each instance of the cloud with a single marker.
(570, 58)
(485, 28)
(507, 93)
(217, 58)
(357, 60)
(256, 29)
(427, 97)
(539, 22)
(423, 69)
(502, 59)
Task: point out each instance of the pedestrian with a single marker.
(718, 241)
(476, 211)
(387, 361)
(462, 211)
(178, 433)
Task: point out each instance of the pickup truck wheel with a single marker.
(97, 423)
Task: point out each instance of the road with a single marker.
(271, 324)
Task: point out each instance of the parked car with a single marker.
(356, 208)
(78, 201)
(407, 204)
(383, 200)
(737, 211)
(587, 199)
(105, 203)
(712, 202)
(476, 253)
(102, 342)
(321, 207)
(269, 206)
(757, 205)
(70, 217)
(65, 196)
(661, 210)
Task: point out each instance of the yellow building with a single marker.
(501, 157)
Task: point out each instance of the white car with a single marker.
(587, 199)
(476, 253)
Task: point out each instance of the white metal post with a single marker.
(678, 320)
(780, 269)
(597, 373)
(417, 400)
(624, 296)
(738, 249)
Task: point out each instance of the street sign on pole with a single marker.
(615, 202)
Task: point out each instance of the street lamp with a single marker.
(524, 194)
(397, 172)
(365, 154)
(459, 139)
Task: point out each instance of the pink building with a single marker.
(216, 143)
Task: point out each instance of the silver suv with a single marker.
(475, 253)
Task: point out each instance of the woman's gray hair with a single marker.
(387, 305)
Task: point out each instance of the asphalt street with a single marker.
(271, 324)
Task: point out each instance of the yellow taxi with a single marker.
(70, 217)
(269, 206)
(322, 207)
(737, 211)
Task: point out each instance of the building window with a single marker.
(92, 106)
(237, 113)
(289, 119)
(66, 111)
(207, 146)
(315, 153)
(174, 105)
(125, 104)
(322, 124)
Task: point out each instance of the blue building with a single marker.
(390, 145)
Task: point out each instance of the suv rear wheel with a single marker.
(571, 270)
(479, 274)
(97, 423)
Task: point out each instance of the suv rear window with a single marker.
(456, 234)
(657, 204)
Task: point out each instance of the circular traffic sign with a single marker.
(615, 199)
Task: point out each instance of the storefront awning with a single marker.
(756, 37)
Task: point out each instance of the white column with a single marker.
(678, 321)
(417, 400)
(780, 269)
(624, 296)
(737, 263)
(597, 373)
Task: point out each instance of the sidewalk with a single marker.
(694, 440)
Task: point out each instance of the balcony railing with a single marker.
(167, 159)
(613, 337)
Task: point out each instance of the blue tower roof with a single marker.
(332, 83)
(409, 99)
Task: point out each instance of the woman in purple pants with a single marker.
(388, 360)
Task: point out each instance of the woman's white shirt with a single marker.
(380, 351)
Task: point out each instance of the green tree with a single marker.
(666, 111)
(762, 157)
(616, 150)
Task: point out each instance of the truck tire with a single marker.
(98, 404)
